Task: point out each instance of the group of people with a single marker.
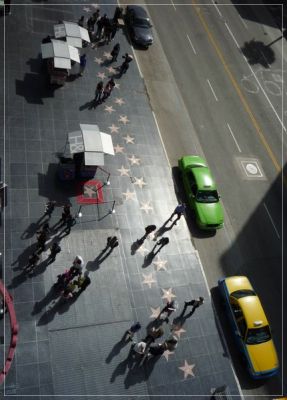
(43, 235)
(148, 347)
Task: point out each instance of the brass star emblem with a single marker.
(129, 195)
(178, 331)
(154, 312)
(119, 101)
(124, 119)
(167, 353)
(111, 70)
(148, 279)
(160, 264)
(146, 207)
(118, 149)
(139, 182)
(133, 160)
(129, 139)
(107, 55)
(123, 171)
(114, 129)
(168, 295)
(98, 60)
(109, 109)
(101, 75)
(117, 85)
(187, 369)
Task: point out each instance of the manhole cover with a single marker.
(251, 168)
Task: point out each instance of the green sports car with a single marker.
(201, 191)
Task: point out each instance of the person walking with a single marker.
(41, 240)
(169, 308)
(178, 211)
(66, 212)
(83, 282)
(114, 29)
(49, 208)
(194, 303)
(54, 250)
(161, 243)
(107, 31)
(148, 230)
(132, 331)
(83, 62)
(118, 14)
(81, 21)
(100, 26)
(99, 92)
(108, 89)
(115, 52)
(127, 57)
(32, 261)
(78, 263)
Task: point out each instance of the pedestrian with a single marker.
(99, 91)
(114, 29)
(83, 282)
(68, 292)
(46, 229)
(194, 303)
(83, 62)
(171, 343)
(107, 32)
(118, 14)
(81, 21)
(78, 263)
(114, 242)
(66, 212)
(115, 52)
(179, 211)
(54, 250)
(169, 308)
(100, 26)
(149, 229)
(127, 57)
(41, 239)
(108, 89)
(161, 243)
(49, 208)
(70, 221)
(157, 349)
(32, 261)
(153, 334)
(132, 330)
(140, 347)
(96, 15)
(124, 67)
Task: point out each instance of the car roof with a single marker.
(203, 178)
(253, 311)
(139, 12)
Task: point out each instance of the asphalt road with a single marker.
(210, 100)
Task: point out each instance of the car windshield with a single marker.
(207, 196)
(258, 335)
(243, 293)
(142, 22)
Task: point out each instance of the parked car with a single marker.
(249, 326)
(201, 192)
(139, 26)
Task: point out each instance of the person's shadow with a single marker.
(148, 259)
(23, 258)
(121, 368)
(164, 228)
(50, 296)
(135, 246)
(33, 228)
(117, 348)
(94, 265)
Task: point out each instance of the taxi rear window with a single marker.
(243, 293)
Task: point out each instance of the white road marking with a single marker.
(231, 34)
(271, 219)
(161, 139)
(211, 88)
(265, 94)
(188, 38)
(232, 134)
(244, 23)
(173, 5)
(215, 5)
(135, 57)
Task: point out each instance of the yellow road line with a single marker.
(239, 92)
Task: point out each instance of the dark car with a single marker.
(139, 26)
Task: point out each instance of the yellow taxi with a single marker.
(250, 326)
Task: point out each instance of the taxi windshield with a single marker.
(207, 196)
(258, 335)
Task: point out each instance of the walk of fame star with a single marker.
(98, 60)
(124, 171)
(114, 129)
(154, 312)
(107, 55)
(129, 195)
(111, 70)
(160, 264)
(139, 182)
(118, 149)
(117, 85)
(129, 139)
(109, 109)
(148, 279)
(124, 119)
(167, 294)
(101, 75)
(187, 369)
(146, 207)
(86, 9)
(133, 160)
(119, 101)
(167, 353)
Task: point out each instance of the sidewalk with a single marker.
(75, 349)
